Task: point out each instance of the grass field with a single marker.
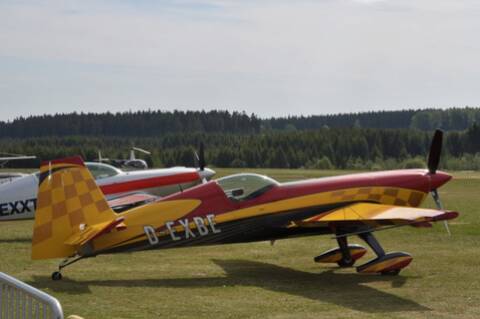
(261, 281)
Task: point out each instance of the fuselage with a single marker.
(18, 197)
(227, 211)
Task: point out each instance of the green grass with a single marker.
(261, 281)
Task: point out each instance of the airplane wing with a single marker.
(376, 215)
(16, 158)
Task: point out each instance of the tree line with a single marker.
(141, 124)
(154, 123)
(425, 120)
(362, 148)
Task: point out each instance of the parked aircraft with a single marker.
(131, 163)
(9, 176)
(18, 198)
(73, 220)
(14, 157)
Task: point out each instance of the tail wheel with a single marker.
(56, 276)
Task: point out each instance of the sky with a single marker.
(271, 58)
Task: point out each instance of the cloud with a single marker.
(271, 57)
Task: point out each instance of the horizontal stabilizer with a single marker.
(92, 232)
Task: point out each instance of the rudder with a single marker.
(69, 202)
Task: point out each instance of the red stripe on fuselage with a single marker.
(214, 200)
(146, 183)
(414, 179)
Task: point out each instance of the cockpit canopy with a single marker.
(100, 170)
(240, 187)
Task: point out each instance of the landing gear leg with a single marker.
(344, 255)
(347, 260)
(373, 243)
(57, 275)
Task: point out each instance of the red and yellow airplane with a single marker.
(74, 221)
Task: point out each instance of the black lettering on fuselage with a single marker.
(18, 207)
(14, 207)
(4, 209)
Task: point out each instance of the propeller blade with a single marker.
(438, 203)
(447, 228)
(201, 157)
(196, 159)
(435, 151)
(141, 150)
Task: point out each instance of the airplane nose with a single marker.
(207, 173)
(438, 179)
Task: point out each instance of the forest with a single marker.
(324, 148)
(155, 123)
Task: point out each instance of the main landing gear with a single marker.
(57, 275)
(346, 255)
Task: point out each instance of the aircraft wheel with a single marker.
(346, 262)
(56, 276)
(391, 272)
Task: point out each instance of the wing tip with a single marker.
(446, 216)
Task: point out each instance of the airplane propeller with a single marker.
(138, 149)
(433, 162)
(438, 203)
(141, 150)
(200, 158)
(435, 151)
(101, 159)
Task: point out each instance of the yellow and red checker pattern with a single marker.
(384, 195)
(67, 198)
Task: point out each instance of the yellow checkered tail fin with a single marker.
(71, 209)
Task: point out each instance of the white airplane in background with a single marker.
(14, 157)
(9, 176)
(123, 189)
(131, 163)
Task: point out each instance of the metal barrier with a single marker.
(19, 300)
